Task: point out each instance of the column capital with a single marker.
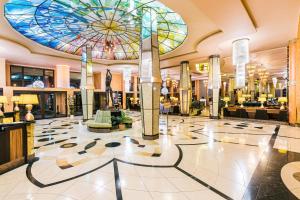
(214, 56)
(184, 62)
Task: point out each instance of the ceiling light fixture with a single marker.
(240, 57)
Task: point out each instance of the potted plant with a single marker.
(71, 105)
(126, 120)
(197, 107)
(115, 121)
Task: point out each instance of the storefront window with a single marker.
(75, 79)
(31, 77)
(49, 79)
(16, 76)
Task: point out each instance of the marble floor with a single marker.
(194, 158)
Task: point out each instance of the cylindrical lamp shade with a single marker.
(3, 99)
(240, 76)
(240, 52)
(226, 99)
(282, 99)
(240, 57)
(262, 99)
(29, 99)
(15, 99)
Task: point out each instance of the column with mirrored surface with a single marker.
(185, 88)
(214, 84)
(150, 77)
(87, 84)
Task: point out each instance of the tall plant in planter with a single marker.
(71, 105)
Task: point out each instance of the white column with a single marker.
(185, 90)
(62, 76)
(150, 78)
(87, 83)
(2, 72)
(214, 84)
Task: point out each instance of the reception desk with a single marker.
(256, 113)
(16, 144)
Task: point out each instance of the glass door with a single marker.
(48, 105)
(51, 105)
(61, 104)
(77, 104)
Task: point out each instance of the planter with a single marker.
(122, 127)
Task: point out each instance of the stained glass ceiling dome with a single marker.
(105, 25)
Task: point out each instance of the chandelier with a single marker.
(240, 57)
(109, 46)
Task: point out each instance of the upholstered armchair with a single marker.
(101, 123)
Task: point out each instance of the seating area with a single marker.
(256, 113)
(102, 122)
(105, 121)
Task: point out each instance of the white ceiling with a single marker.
(212, 26)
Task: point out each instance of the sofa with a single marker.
(101, 123)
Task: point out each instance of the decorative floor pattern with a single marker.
(194, 158)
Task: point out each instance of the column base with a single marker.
(150, 137)
(214, 117)
(185, 115)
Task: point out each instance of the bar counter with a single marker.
(16, 144)
(256, 113)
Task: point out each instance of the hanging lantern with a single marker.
(274, 80)
(240, 57)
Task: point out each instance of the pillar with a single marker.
(97, 80)
(197, 89)
(214, 85)
(62, 76)
(124, 90)
(2, 72)
(103, 76)
(150, 78)
(135, 87)
(251, 87)
(231, 84)
(87, 83)
(9, 93)
(185, 90)
(294, 82)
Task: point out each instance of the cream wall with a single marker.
(2, 72)
(62, 76)
(117, 82)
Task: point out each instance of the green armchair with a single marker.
(126, 120)
(102, 122)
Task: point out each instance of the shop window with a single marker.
(75, 78)
(31, 77)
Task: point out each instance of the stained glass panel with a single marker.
(68, 25)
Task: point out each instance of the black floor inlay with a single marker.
(45, 139)
(49, 131)
(297, 176)
(266, 181)
(117, 181)
(113, 144)
(68, 145)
